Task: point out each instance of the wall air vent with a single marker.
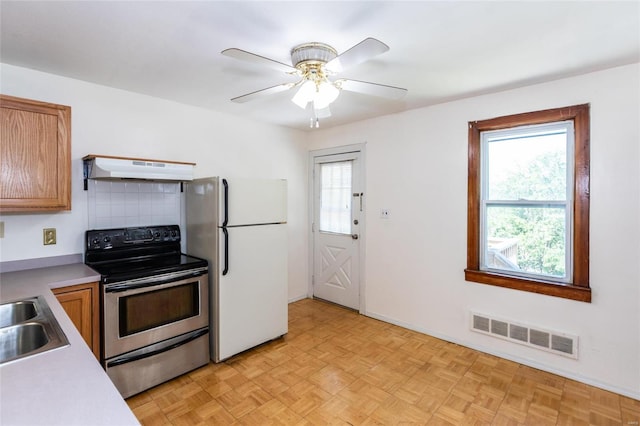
(551, 341)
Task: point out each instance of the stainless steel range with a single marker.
(154, 303)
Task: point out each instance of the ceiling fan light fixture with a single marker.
(313, 63)
(325, 94)
(305, 94)
(312, 52)
(320, 93)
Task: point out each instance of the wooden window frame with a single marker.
(578, 288)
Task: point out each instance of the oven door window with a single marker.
(148, 310)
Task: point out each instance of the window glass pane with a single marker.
(530, 240)
(527, 166)
(335, 197)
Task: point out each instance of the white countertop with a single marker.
(65, 386)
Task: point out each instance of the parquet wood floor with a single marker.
(337, 367)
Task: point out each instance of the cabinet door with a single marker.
(35, 155)
(80, 302)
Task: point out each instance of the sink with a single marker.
(28, 327)
(21, 339)
(17, 312)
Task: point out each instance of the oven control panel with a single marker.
(104, 239)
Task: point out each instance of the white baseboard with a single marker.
(298, 298)
(524, 361)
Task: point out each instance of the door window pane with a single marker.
(335, 197)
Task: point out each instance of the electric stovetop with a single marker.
(121, 254)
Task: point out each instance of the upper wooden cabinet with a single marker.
(35, 155)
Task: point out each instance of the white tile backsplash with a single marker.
(116, 204)
(117, 186)
(132, 187)
(132, 204)
(101, 185)
(103, 197)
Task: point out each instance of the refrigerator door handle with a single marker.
(225, 221)
(226, 250)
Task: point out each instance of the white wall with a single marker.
(417, 168)
(115, 122)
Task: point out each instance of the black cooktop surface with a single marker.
(122, 254)
(122, 270)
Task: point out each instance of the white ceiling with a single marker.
(440, 51)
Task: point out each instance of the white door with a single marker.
(338, 204)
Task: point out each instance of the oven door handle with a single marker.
(149, 282)
(136, 357)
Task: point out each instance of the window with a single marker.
(528, 202)
(335, 197)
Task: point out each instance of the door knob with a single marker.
(354, 236)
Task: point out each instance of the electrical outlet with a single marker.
(48, 236)
(384, 214)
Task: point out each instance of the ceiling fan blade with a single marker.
(363, 51)
(375, 89)
(259, 93)
(243, 55)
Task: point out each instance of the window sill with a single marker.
(567, 291)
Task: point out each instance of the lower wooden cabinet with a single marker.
(81, 302)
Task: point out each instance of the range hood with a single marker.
(108, 167)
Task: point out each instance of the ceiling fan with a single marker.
(313, 64)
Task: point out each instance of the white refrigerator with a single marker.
(239, 226)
